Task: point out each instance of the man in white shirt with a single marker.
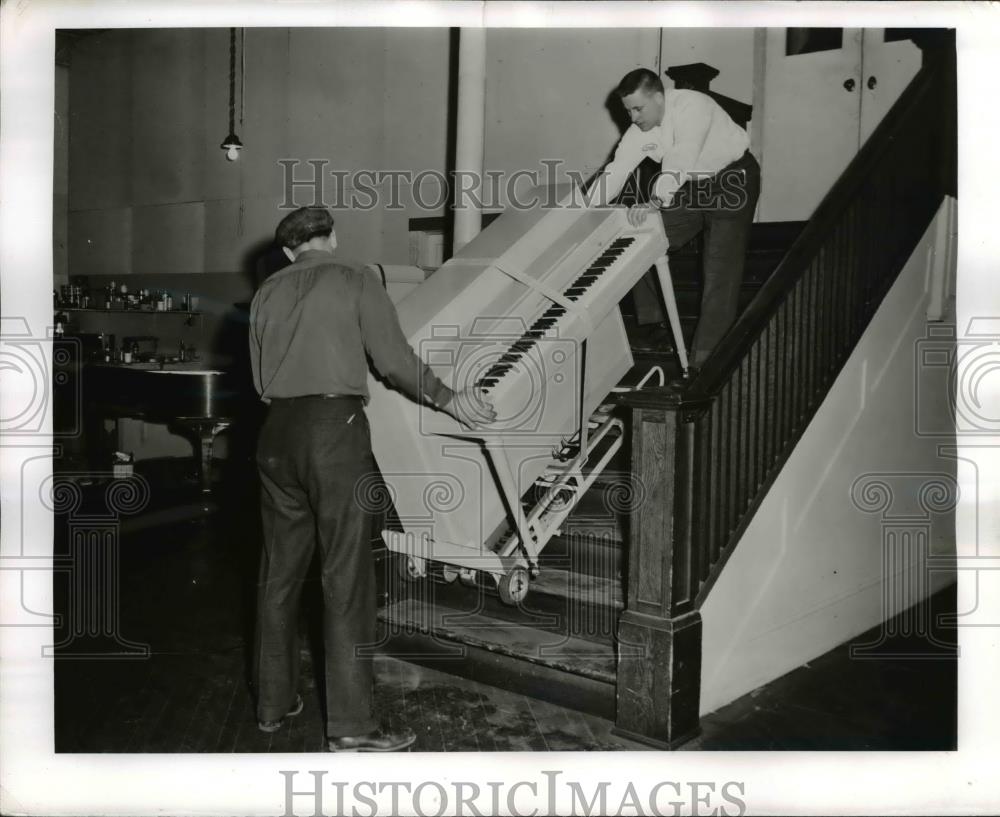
(708, 181)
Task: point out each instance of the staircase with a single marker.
(559, 643)
(612, 624)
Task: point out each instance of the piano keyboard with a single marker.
(548, 320)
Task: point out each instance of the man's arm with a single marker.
(389, 349)
(400, 365)
(611, 180)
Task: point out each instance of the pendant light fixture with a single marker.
(232, 144)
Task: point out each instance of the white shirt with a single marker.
(695, 136)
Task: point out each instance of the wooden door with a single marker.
(887, 64)
(812, 111)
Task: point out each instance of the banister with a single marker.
(706, 452)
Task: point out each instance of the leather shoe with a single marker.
(274, 726)
(379, 740)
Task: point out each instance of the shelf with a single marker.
(125, 311)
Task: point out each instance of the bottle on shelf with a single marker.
(135, 352)
(183, 352)
(59, 329)
(126, 354)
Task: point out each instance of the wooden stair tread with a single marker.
(578, 586)
(551, 649)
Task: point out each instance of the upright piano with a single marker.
(528, 314)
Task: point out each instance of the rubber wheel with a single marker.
(449, 573)
(411, 568)
(467, 576)
(514, 585)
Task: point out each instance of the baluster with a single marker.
(796, 386)
(834, 286)
(757, 388)
(725, 446)
(867, 254)
(700, 524)
(773, 394)
(827, 259)
(733, 469)
(857, 248)
(813, 310)
(812, 336)
(847, 256)
(843, 284)
(749, 407)
(716, 446)
(787, 373)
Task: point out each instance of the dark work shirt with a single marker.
(311, 324)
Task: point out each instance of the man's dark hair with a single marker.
(303, 224)
(639, 78)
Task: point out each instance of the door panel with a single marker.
(811, 121)
(888, 67)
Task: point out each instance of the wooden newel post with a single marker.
(659, 659)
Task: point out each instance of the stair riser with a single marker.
(594, 620)
(502, 671)
(584, 554)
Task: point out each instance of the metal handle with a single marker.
(849, 84)
(872, 82)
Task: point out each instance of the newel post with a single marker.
(659, 633)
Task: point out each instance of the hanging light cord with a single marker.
(232, 80)
(243, 72)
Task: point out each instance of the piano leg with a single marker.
(670, 302)
(206, 430)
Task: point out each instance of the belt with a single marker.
(746, 158)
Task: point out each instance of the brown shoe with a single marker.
(379, 740)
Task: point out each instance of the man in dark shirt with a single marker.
(311, 325)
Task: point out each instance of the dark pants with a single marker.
(723, 207)
(311, 453)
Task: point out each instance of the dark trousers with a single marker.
(723, 208)
(311, 454)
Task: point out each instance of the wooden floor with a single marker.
(186, 592)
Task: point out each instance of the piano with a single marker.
(201, 401)
(527, 312)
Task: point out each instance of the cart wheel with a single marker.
(412, 568)
(513, 586)
(449, 573)
(467, 576)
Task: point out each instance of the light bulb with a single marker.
(233, 153)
